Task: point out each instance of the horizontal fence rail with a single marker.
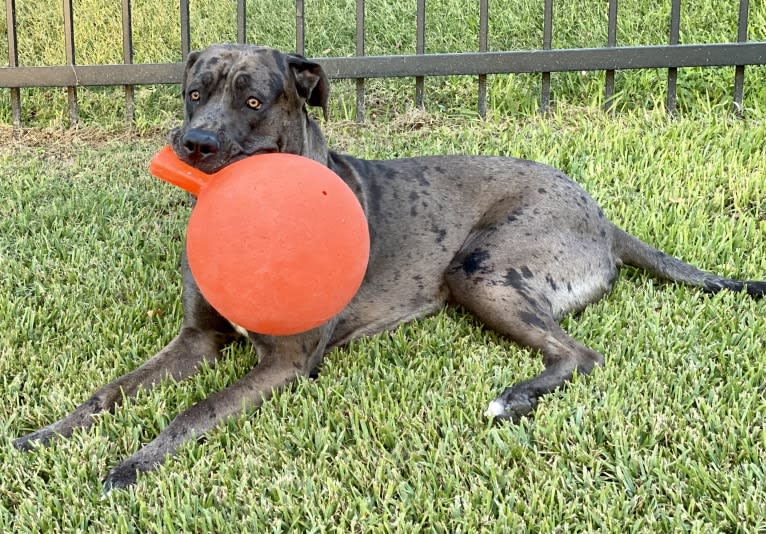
(470, 63)
(360, 67)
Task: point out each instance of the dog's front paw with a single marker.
(512, 405)
(41, 438)
(122, 476)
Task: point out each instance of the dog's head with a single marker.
(241, 100)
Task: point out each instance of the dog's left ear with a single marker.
(310, 81)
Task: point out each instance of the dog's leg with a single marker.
(523, 298)
(199, 341)
(281, 361)
(179, 359)
(562, 356)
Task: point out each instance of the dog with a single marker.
(515, 242)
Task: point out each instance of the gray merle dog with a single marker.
(515, 242)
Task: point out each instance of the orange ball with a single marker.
(277, 243)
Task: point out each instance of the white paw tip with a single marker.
(495, 408)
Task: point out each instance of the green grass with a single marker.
(451, 26)
(668, 437)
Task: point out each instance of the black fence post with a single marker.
(185, 30)
(241, 22)
(13, 61)
(420, 48)
(739, 72)
(611, 43)
(300, 28)
(675, 21)
(545, 88)
(483, 47)
(127, 58)
(360, 52)
(69, 48)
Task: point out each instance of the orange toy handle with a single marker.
(166, 166)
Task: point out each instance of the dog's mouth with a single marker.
(234, 158)
(210, 150)
(215, 162)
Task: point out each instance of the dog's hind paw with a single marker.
(511, 406)
(496, 408)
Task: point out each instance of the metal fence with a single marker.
(545, 60)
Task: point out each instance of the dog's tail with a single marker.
(632, 251)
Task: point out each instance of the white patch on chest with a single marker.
(241, 331)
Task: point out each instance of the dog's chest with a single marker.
(240, 330)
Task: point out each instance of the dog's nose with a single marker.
(200, 144)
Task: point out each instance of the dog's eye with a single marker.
(194, 96)
(253, 103)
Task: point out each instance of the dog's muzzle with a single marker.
(199, 145)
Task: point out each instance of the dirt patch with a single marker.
(71, 138)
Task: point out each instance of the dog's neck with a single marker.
(314, 144)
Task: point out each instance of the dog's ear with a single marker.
(310, 81)
(191, 59)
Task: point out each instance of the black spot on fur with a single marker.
(413, 211)
(376, 192)
(243, 81)
(551, 282)
(207, 78)
(514, 279)
(526, 272)
(474, 262)
(375, 196)
(532, 302)
(532, 319)
(542, 190)
(277, 83)
(387, 172)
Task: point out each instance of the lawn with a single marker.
(669, 436)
